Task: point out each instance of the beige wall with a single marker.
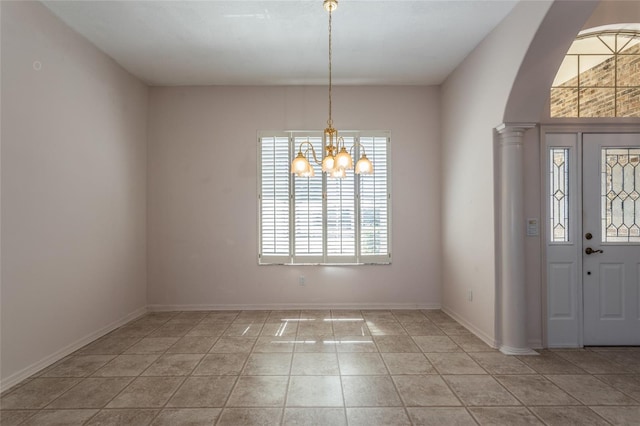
(203, 197)
(614, 12)
(73, 191)
(473, 101)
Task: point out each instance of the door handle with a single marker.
(589, 250)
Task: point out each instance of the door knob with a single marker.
(589, 250)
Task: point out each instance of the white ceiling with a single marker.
(268, 42)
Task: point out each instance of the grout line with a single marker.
(134, 378)
(342, 389)
(186, 377)
(535, 415)
(237, 378)
(598, 414)
(286, 389)
(98, 369)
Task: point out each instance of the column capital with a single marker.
(508, 129)
(512, 134)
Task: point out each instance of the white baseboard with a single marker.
(19, 376)
(568, 345)
(472, 328)
(283, 306)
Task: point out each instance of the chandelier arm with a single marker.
(313, 151)
(364, 152)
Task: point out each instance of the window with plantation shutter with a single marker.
(307, 213)
(274, 197)
(374, 200)
(341, 216)
(318, 219)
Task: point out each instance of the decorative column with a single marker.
(512, 291)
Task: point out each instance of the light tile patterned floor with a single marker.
(321, 368)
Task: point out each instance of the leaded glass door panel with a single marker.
(611, 239)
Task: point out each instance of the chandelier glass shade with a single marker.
(336, 160)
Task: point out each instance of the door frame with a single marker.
(569, 331)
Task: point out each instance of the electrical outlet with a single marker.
(470, 295)
(301, 280)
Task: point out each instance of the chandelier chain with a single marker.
(330, 121)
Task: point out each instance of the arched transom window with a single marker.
(599, 77)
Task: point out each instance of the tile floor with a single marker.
(321, 368)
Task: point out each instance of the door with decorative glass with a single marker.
(611, 238)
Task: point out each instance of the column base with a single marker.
(509, 350)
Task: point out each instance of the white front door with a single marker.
(611, 238)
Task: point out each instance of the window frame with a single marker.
(579, 87)
(324, 259)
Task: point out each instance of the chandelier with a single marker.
(337, 160)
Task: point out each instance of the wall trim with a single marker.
(566, 345)
(30, 370)
(279, 306)
(473, 329)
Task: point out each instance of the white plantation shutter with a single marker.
(341, 216)
(274, 198)
(307, 208)
(320, 219)
(374, 201)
